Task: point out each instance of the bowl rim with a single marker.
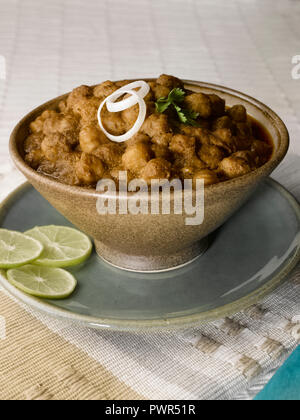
(277, 156)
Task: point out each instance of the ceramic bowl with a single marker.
(154, 242)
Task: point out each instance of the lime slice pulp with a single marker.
(63, 246)
(17, 249)
(43, 282)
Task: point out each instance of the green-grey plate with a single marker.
(248, 257)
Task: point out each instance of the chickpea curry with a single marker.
(201, 139)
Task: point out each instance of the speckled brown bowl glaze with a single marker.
(154, 242)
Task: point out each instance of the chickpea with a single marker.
(136, 157)
(200, 103)
(32, 142)
(62, 106)
(87, 109)
(211, 155)
(170, 82)
(156, 125)
(89, 169)
(115, 174)
(82, 92)
(34, 157)
(90, 138)
(59, 123)
(156, 169)
(113, 122)
(105, 89)
(54, 147)
(234, 166)
(32, 148)
(49, 113)
(159, 91)
(247, 155)
(200, 134)
(162, 140)
(209, 177)
(37, 125)
(223, 122)
(109, 153)
(238, 113)
(223, 138)
(195, 162)
(130, 115)
(64, 167)
(183, 145)
(137, 138)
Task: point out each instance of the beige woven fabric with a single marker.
(49, 48)
(37, 364)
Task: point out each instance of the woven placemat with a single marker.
(38, 364)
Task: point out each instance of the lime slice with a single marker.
(43, 282)
(17, 249)
(63, 246)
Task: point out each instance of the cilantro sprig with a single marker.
(176, 97)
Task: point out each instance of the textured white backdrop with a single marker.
(50, 47)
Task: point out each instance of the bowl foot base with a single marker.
(151, 263)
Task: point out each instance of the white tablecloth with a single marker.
(50, 47)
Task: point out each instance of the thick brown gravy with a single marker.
(223, 143)
(261, 133)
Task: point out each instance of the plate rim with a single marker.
(174, 323)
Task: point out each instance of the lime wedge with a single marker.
(63, 246)
(17, 249)
(43, 282)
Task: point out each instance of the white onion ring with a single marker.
(113, 106)
(137, 125)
